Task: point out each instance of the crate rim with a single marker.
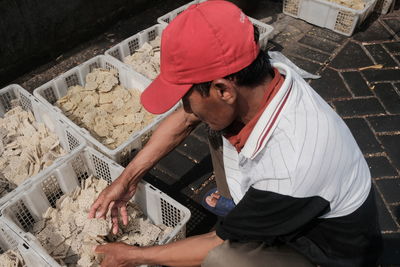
(263, 38)
(339, 6)
(83, 131)
(358, 16)
(25, 235)
(125, 43)
(29, 180)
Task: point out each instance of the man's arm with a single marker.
(168, 135)
(187, 252)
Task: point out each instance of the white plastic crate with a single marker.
(128, 46)
(50, 92)
(10, 240)
(265, 30)
(22, 211)
(329, 15)
(69, 138)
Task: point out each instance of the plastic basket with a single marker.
(131, 44)
(329, 15)
(10, 240)
(265, 30)
(50, 92)
(69, 138)
(22, 211)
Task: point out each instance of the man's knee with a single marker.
(231, 255)
(218, 256)
(254, 255)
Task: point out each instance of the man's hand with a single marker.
(168, 135)
(179, 253)
(115, 198)
(119, 255)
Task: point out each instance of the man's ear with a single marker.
(224, 90)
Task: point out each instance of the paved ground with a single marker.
(368, 99)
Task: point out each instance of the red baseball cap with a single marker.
(207, 41)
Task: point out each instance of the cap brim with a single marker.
(160, 95)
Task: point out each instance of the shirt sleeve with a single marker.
(268, 217)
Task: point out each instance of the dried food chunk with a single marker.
(353, 4)
(106, 109)
(27, 147)
(146, 60)
(11, 258)
(69, 236)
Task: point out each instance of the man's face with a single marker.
(213, 110)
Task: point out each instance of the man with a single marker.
(301, 186)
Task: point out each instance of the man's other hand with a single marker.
(115, 198)
(119, 255)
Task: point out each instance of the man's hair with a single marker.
(251, 76)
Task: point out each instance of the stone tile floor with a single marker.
(368, 100)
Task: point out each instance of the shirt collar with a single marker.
(269, 118)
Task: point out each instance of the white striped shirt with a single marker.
(300, 147)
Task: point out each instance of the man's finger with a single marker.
(106, 204)
(114, 219)
(124, 214)
(95, 206)
(101, 249)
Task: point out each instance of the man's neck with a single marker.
(250, 100)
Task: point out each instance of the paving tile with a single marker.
(379, 75)
(396, 212)
(387, 123)
(386, 221)
(380, 167)
(391, 250)
(392, 144)
(372, 32)
(394, 25)
(380, 55)
(156, 173)
(199, 171)
(330, 85)
(356, 83)
(350, 57)
(365, 138)
(353, 107)
(390, 189)
(194, 149)
(196, 185)
(389, 97)
(321, 44)
(305, 64)
(393, 47)
(382, 75)
(327, 34)
(175, 164)
(308, 53)
(199, 195)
